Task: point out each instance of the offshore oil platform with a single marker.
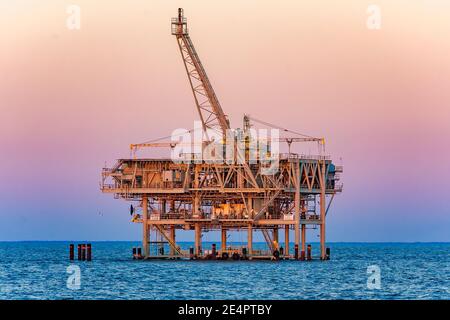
(240, 195)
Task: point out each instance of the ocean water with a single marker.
(39, 270)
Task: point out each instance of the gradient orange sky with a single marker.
(72, 99)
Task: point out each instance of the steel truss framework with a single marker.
(202, 197)
(189, 197)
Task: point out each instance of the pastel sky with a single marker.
(71, 100)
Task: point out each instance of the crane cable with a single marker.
(321, 142)
(174, 135)
(254, 119)
(280, 128)
(135, 149)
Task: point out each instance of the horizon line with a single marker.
(282, 242)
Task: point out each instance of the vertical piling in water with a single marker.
(198, 240)
(244, 253)
(297, 212)
(328, 254)
(308, 252)
(302, 255)
(83, 252)
(71, 252)
(250, 239)
(145, 226)
(89, 252)
(139, 252)
(134, 252)
(172, 236)
(79, 251)
(322, 181)
(286, 241)
(304, 237)
(224, 240)
(213, 250)
(191, 253)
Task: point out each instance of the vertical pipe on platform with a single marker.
(250, 239)
(71, 252)
(286, 240)
(276, 242)
(163, 206)
(198, 239)
(196, 175)
(196, 207)
(196, 183)
(172, 238)
(224, 240)
(322, 212)
(145, 238)
(297, 203)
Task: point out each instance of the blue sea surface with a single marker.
(39, 270)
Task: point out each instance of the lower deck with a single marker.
(202, 197)
(162, 243)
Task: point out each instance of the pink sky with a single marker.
(71, 100)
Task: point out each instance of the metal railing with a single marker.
(108, 186)
(177, 20)
(296, 156)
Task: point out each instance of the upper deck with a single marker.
(159, 176)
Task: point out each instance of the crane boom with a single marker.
(208, 106)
